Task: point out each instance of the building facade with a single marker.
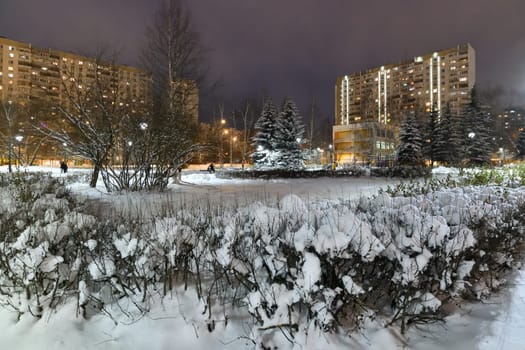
(39, 81)
(29, 73)
(370, 104)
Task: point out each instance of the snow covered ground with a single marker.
(178, 322)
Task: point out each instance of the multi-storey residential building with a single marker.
(29, 73)
(31, 76)
(370, 104)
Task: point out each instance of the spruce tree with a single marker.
(409, 149)
(478, 129)
(448, 138)
(433, 131)
(264, 138)
(288, 136)
(520, 145)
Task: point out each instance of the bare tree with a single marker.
(94, 115)
(175, 57)
(173, 50)
(248, 113)
(11, 112)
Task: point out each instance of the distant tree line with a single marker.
(448, 139)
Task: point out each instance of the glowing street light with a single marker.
(232, 140)
(19, 139)
(224, 132)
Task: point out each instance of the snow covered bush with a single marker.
(294, 266)
(29, 278)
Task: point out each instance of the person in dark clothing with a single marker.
(211, 168)
(63, 167)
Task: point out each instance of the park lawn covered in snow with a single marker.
(180, 320)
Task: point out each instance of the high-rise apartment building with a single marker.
(30, 73)
(370, 104)
(41, 80)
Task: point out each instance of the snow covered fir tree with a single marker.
(263, 141)
(409, 151)
(447, 150)
(288, 136)
(477, 128)
(278, 137)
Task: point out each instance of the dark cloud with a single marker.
(290, 47)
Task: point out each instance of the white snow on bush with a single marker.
(91, 244)
(425, 303)
(350, 286)
(100, 268)
(50, 263)
(311, 271)
(125, 245)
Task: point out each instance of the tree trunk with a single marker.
(94, 176)
(10, 155)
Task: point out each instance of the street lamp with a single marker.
(19, 139)
(65, 151)
(223, 122)
(232, 140)
(224, 132)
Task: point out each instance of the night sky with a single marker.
(293, 48)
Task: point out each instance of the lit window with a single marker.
(44, 68)
(10, 68)
(80, 62)
(11, 55)
(463, 79)
(10, 48)
(1, 87)
(10, 75)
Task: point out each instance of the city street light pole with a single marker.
(19, 139)
(232, 140)
(223, 121)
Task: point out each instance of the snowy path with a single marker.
(507, 331)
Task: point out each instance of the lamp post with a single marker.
(19, 139)
(223, 122)
(232, 140)
(65, 151)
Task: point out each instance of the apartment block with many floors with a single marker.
(31, 76)
(370, 104)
